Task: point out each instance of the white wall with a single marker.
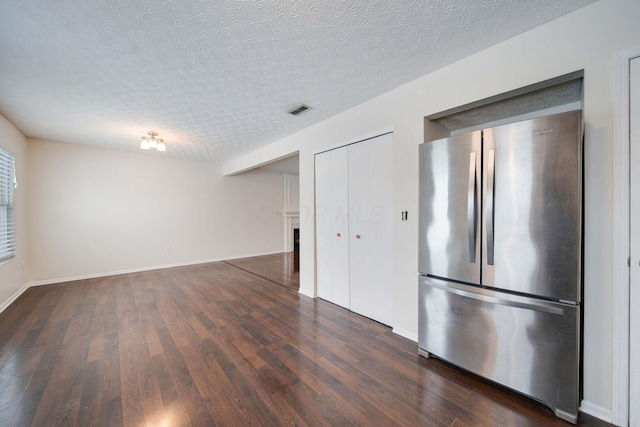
(586, 39)
(94, 211)
(292, 193)
(12, 272)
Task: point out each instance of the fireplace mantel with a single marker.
(291, 221)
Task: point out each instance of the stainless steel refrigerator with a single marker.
(500, 255)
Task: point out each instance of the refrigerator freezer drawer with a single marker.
(528, 345)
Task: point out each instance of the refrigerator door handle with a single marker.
(491, 166)
(471, 208)
(535, 306)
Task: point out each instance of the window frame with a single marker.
(7, 205)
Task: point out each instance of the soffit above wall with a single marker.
(549, 94)
(216, 78)
(289, 165)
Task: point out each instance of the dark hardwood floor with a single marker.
(215, 345)
(282, 269)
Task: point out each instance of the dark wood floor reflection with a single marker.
(215, 345)
(282, 269)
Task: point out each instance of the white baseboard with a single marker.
(595, 411)
(409, 335)
(141, 269)
(13, 297)
(306, 293)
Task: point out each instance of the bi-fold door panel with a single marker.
(634, 204)
(370, 228)
(332, 226)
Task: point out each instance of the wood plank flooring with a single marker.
(282, 269)
(214, 344)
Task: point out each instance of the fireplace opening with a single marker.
(296, 248)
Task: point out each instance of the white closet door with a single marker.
(634, 284)
(332, 227)
(370, 228)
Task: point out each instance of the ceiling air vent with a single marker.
(300, 109)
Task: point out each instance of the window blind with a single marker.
(7, 186)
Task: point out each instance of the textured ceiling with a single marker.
(215, 78)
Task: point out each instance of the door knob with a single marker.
(357, 236)
(338, 234)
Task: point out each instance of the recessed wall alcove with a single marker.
(556, 95)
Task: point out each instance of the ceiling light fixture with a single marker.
(151, 141)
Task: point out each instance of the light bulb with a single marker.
(153, 143)
(161, 146)
(144, 143)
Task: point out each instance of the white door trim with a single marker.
(620, 332)
(291, 218)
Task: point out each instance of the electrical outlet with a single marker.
(404, 215)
